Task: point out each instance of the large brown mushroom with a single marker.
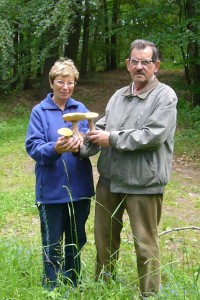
(90, 116)
(74, 118)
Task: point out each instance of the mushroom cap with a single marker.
(71, 117)
(91, 115)
(65, 131)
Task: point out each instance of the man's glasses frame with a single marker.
(144, 62)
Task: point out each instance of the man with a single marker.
(136, 140)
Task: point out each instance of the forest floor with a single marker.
(95, 92)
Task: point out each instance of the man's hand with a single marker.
(99, 137)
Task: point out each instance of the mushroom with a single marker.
(65, 132)
(90, 116)
(74, 118)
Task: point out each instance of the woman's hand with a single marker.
(68, 144)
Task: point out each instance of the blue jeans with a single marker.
(63, 236)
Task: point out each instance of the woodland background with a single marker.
(96, 34)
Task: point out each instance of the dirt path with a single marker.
(186, 173)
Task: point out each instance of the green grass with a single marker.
(20, 245)
(187, 138)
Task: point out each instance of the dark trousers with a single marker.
(144, 212)
(63, 236)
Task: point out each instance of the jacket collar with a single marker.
(144, 92)
(48, 103)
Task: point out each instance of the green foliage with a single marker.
(188, 116)
(21, 265)
(187, 140)
(32, 30)
(25, 38)
(19, 262)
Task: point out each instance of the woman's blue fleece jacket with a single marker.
(60, 178)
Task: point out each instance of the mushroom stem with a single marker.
(91, 124)
(90, 116)
(75, 128)
(74, 118)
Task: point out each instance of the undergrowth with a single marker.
(20, 244)
(187, 138)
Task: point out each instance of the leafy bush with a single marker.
(187, 139)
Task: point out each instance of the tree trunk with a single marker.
(71, 49)
(45, 87)
(26, 72)
(16, 54)
(85, 45)
(49, 60)
(193, 51)
(113, 49)
(106, 29)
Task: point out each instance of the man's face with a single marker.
(141, 67)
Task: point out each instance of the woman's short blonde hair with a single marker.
(63, 67)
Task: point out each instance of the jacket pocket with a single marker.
(137, 169)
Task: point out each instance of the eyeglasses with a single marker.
(143, 62)
(61, 83)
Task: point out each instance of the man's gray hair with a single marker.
(142, 44)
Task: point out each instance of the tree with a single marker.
(74, 29)
(85, 45)
(193, 50)
(113, 46)
(96, 35)
(51, 32)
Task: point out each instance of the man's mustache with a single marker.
(139, 72)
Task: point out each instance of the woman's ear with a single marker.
(51, 83)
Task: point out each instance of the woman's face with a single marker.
(63, 87)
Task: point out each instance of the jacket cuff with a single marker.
(113, 138)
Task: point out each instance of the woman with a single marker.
(64, 182)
